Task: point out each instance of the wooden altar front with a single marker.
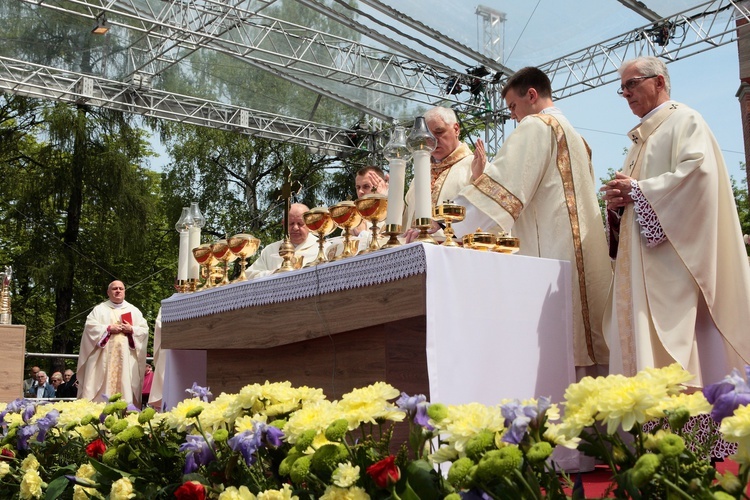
(456, 325)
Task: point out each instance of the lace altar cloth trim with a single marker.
(356, 272)
(704, 430)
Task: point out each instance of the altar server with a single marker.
(113, 349)
(541, 186)
(681, 290)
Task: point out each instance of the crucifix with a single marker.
(288, 189)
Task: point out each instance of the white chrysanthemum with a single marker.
(314, 416)
(246, 423)
(73, 411)
(233, 493)
(177, 417)
(626, 400)
(465, 421)
(283, 494)
(673, 377)
(336, 493)
(216, 414)
(345, 475)
(87, 432)
(695, 403)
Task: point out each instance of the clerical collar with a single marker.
(117, 306)
(552, 110)
(653, 111)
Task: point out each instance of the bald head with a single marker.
(116, 292)
(296, 224)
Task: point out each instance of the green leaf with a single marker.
(56, 488)
(422, 479)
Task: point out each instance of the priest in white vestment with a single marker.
(681, 290)
(450, 168)
(112, 357)
(541, 188)
(305, 245)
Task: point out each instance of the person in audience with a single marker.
(305, 245)
(42, 388)
(681, 289)
(147, 380)
(56, 381)
(69, 387)
(541, 186)
(113, 349)
(27, 383)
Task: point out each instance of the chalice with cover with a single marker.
(243, 246)
(507, 244)
(448, 212)
(346, 216)
(319, 221)
(207, 261)
(372, 207)
(221, 251)
(480, 240)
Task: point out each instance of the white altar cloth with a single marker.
(498, 326)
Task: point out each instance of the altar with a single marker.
(455, 324)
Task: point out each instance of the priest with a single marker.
(113, 349)
(541, 187)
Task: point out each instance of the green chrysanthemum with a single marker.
(87, 419)
(109, 409)
(110, 456)
(453, 496)
(678, 418)
(285, 467)
(326, 459)
(645, 468)
(300, 469)
(720, 495)
(671, 445)
(337, 430)
(221, 435)
(437, 411)
(539, 452)
(194, 412)
(459, 474)
(305, 440)
(115, 397)
(146, 415)
(480, 443)
(129, 434)
(119, 426)
(499, 463)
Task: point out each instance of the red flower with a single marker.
(192, 490)
(5, 452)
(385, 473)
(96, 449)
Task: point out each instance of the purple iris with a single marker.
(519, 417)
(46, 423)
(24, 434)
(249, 441)
(727, 395)
(199, 452)
(199, 392)
(28, 412)
(416, 407)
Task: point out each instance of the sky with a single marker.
(536, 32)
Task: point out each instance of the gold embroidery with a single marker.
(566, 174)
(499, 195)
(439, 171)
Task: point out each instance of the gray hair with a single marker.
(447, 115)
(649, 65)
(41, 372)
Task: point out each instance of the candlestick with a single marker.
(183, 226)
(194, 240)
(397, 154)
(421, 143)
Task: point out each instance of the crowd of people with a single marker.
(646, 291)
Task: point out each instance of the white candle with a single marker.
(194, 240)
(182, 263)
(422, 189)
(396, 181)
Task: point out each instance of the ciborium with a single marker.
(448, 212)
(318, 220)
(243, 246)
(206, 260)
(480, 240)
(346, 216)
(507, 243)
(221, 251)
(372, 207)
(288, 261)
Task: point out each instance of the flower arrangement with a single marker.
(275, 441)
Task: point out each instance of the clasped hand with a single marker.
(124, 328)
(617, 191)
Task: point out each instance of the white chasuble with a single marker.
(108, 364)
(269, 259)
(541, 186)
(686, 300)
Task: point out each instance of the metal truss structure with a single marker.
(362, 77)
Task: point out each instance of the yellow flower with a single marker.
(4, 469)
(345, 475)
(561, 434)
(232, 493)
(370, 404)
(336, 493)
(672, 377)
(624, 401)
(314, 416)
(178, 419)
(86, 471)
(122, 489)
(245, 423)
(694, 403)
(283, 494)
(29, 463)
(465, 421)
(737, 429)
(31, 485)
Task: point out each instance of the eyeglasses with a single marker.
(633, 83)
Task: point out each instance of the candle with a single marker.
(194, 269)
(182, 266)
(421, 143)
(397, 154)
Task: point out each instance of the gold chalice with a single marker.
(346, 216)
(480, 240)
(221, 251)
(243, 246)
(449, 212)
(319, 221)
(207, 261)
(372, 207)
(507, 243)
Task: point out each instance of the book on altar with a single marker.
(127, 318)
